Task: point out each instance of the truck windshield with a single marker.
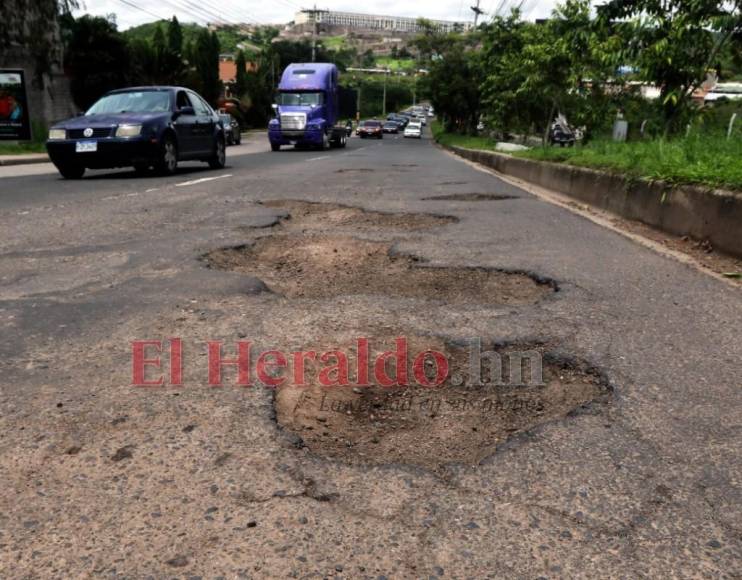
(301, 98)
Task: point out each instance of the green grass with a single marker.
(333, 42)
(395, 64)
(709, 159)
(21, 148)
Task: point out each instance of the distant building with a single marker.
(228, 68)
(354, 20)
(228, 72)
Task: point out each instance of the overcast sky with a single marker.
(133, 12)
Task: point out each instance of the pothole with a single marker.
(355, 170)
(451, 423)
(471, 197)
(306, 215)
(318, 266)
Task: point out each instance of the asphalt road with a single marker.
(100, 478)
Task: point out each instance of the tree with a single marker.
(674, 43)
(175, 37)
(172, 59)
(206, 61)
(36, 27)
(97, 59)
(454, 78)
(240, 81)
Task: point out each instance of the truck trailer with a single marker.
(307, 108)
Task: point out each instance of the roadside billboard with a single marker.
(14, 119)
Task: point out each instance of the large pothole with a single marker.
(306, 215)
(456, 422)
(318, 266)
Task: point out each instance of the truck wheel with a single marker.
(325, 142)
(275, 147)
(343, 141)
(71, 171)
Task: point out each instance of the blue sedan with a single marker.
(139, 127)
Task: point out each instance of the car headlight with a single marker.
(57, 134)
(128, 130)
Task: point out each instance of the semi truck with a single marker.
(307, 108)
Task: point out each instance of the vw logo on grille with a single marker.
(88, 132)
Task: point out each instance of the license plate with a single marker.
(86, 146)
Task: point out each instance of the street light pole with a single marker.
(383, 107)
(314, 12)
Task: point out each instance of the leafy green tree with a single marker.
(240, 81)
(175, 37)
(674, 43)
(97, 59)
(454, 79)
(367, 59)
(206, 61)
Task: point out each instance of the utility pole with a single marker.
(383, 106)
(314, 13)
(477, 11)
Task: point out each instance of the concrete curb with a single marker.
(23, 159)
(698, 212)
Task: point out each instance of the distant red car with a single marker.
(370, 129)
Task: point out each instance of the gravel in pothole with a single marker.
(455, 422)
(317, 266)
(306, 215)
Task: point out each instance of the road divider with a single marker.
(684, 210)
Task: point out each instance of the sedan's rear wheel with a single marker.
(167, 164)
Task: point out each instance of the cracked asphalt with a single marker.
(103, 479)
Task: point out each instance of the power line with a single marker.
(133, 5)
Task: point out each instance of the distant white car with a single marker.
(414, 130)
(730, 91)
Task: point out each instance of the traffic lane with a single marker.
(41, 183)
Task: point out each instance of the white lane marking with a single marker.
(318, 158)
(151, 189)
(202, 180)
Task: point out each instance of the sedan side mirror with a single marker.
(184, 111)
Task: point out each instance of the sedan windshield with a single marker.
(133, 102)
(301, 98)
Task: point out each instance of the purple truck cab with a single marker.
(307, 108)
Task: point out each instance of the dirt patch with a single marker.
(702, 251)
(471, 197)
(305, 215)
(432, 427)
(318, 266)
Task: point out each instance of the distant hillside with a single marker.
(229, 36)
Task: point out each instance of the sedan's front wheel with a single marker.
(71, 171)
(219, 159)
(167, 164)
